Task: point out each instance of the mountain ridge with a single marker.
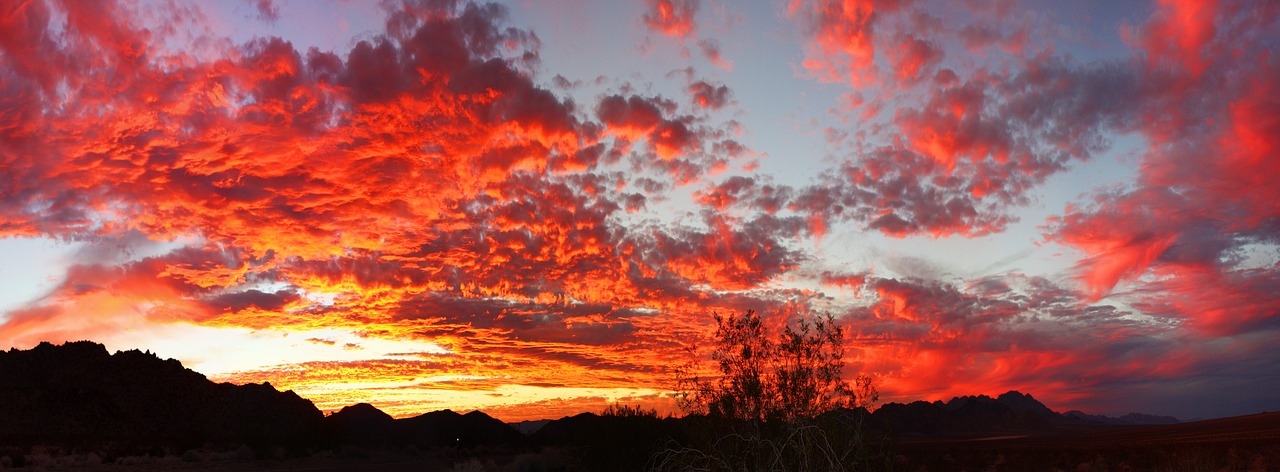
(78, 391)
(91, 407)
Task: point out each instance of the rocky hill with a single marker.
(78, 392)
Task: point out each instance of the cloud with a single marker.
(677, 19)
(710, 96)
(421, 185)
(939, 340)
(239, 301)
(673, 18)
(1178, 32)
(994, 130)
(914, 58)
(634, 116)
(728, 255)
(267, 10)
(1122, 250)
(977, 37)
(711, 50)
(685, 148)
(843, 37)
(1199, 199)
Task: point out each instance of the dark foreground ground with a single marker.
(1246, 443)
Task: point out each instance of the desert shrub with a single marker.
(779, 405)
(794, 379)
(628, 411)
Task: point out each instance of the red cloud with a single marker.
(970, 151)
(706, 95)
(1215, 303)
(843, 35)
(1178, 33)
(728, 255)
(417, 186)
(1250, 146)
(1202, 197)
(638, 117)
(421, 185)
(1123, 237)
(633, 116)
(937, 341)
(913, 58)
(672, 17)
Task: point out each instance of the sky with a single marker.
(534, 208)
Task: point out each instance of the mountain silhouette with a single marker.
(78, 392)
(529, 427)
(1011, 412)
(447, 428)
(361, 424)
(611, 442)
(1128, 419)
(364, 424)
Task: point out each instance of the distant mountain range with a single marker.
(78, 393)
(1010, 412)
(1131, 418)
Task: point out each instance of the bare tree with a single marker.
(776, 405)
(796, 378)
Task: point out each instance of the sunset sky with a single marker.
(532, 208)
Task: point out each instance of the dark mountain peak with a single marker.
(264, 387)
(529, 427)
(1010, 412)
(361, 411)
(87, 350)
(361, 423)
(480, 420)
(1141, 418)
(1014, 395)
(447, 427)
(83, 348)
(1131, 418)
(1024, 402)
(960, 402)
(1013, 399)
(438, 415)
(617, 434)
(477, 414)
(77, 391)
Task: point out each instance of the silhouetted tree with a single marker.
(798, 377)
(779, 405)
